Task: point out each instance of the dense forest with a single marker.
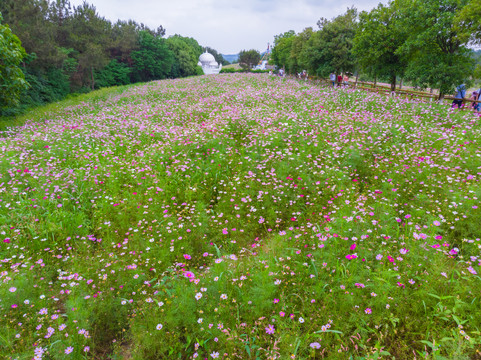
(428, 42)
(72, 49)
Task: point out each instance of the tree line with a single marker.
(49, 49)
(427, 42)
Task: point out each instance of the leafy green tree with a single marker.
(90, 37)
(12, 79)
(295, 61)
(28, 20)
(153, 60)
(437, 56)
(377, 40)
(115, 73)
(281, 51)
(330, 48)
(124, 39)
(468, 22)
(58, 13)
(186, 53)
(249, 58)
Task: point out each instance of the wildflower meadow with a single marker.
(240, 216)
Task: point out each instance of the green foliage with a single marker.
(28, 20)
(89, 36)
(282, 49)
(295, 61)
(153, 60)
(186, 53)
(249, 58)
(437, 57)
(228, 70)
(330, 49)
(477, 72)
(468, 22)
(115, 73)
(12, 79)
(377, 40)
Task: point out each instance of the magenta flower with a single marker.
(270, 329)
(189, 275)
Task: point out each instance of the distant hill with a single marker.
(231, 58)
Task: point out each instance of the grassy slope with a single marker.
(241, 215)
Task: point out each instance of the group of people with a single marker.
(340, 79)
(303, 75)
(461, 94)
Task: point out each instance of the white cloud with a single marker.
(227, 26)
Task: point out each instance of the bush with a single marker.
(115, 73)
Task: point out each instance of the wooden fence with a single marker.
(383, 89)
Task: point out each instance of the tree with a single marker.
(124, 39)
(12, 79)
(295, 61)
(378, 37)
(249, 58)
(282, 49)
(115, 73)
(59, 12)
(90, 37)
(437, 56)
(468, 22)
(28, 20)
(153, 60)
(330, 48)
(186, 53)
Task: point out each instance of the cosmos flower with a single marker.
(270, 329)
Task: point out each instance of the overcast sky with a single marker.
(225, 25)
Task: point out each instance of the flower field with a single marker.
(241, 217)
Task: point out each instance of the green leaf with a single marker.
(328, 330)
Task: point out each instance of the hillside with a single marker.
(231, 58)
(240, 216)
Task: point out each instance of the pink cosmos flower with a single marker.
(189, 274)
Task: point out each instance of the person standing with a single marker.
(477, 106)
(346, 80)
(339, 80)
(461, 93)
(332, 77)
